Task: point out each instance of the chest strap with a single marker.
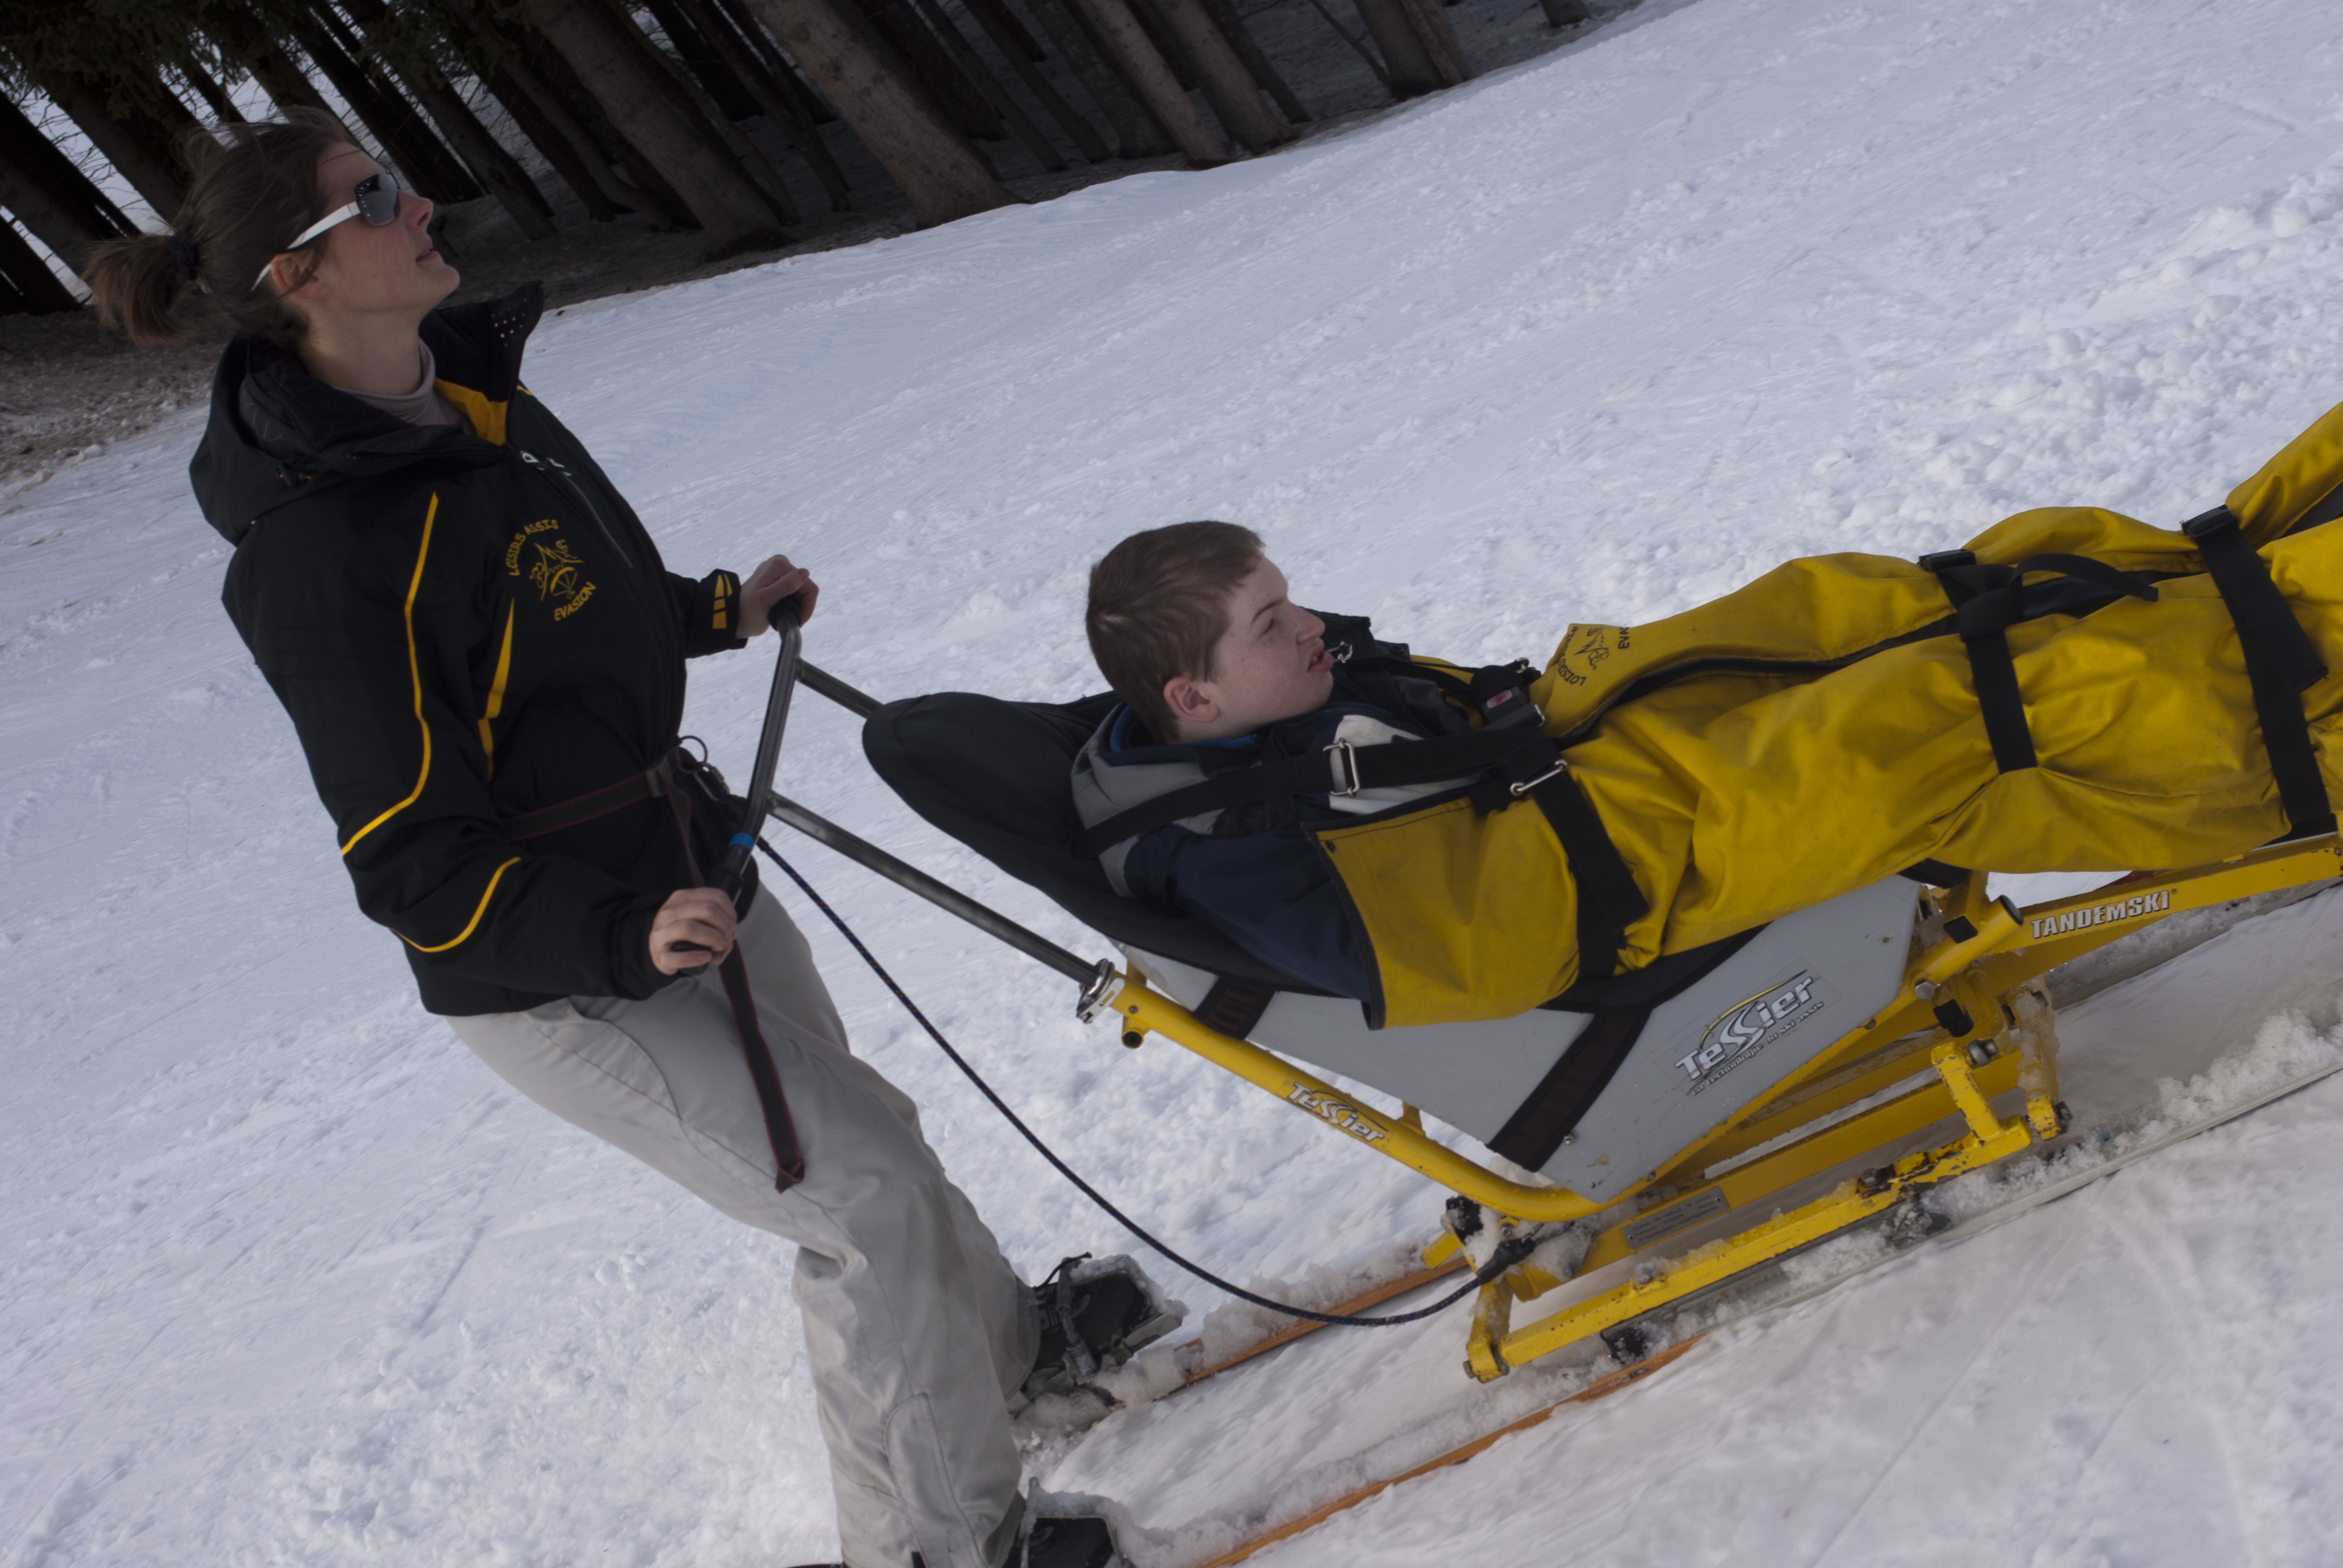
(1508, 763)
(1341, 769)
(2281, 664)
(648, 785)
(1987, 600)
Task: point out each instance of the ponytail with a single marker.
(252, 188)
(139, 284)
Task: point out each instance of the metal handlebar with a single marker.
(734, 868)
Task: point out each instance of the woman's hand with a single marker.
(699, 915)
(768, 586)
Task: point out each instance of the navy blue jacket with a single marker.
(1252, 871)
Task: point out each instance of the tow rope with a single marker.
(1508, 1254)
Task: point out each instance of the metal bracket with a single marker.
(1095, 995)
(1346, 768)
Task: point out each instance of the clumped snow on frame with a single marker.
(287, 1277)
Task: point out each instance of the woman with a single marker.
(484, 658)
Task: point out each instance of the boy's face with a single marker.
(1271, 664)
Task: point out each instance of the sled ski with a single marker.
(1366, 1299)
(1610, 1383)
(1759, 1291)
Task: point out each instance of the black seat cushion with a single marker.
(996, 776)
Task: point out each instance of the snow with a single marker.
(290, 1278)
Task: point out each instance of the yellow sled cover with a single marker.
(1820, 728)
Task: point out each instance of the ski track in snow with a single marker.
(290, 1279)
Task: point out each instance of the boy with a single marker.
(1219, 669)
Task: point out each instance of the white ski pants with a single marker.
(916, 1327)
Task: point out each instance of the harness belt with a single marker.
(648, 784)
(2281, 664)
(1987, 600)
(659, 780)
(1509, 763)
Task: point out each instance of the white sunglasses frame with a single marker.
(338, 215)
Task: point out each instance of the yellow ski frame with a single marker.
(1814, 1121)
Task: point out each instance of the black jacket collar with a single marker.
(277, 434)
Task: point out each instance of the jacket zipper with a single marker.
(569, 482)
(562, 475)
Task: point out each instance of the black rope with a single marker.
(1508, 1252)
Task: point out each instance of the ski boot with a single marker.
(1094, 1315)
(1083, 1540)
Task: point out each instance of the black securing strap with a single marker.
(1608, 899)
(1664, 978)
(780, 1130)
(1987, 600)
(1935, 874)
(2326, 511)
(1233, 1007)
(2281, 663)
(1569, 1090)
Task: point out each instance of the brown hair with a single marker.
(1159, 604)
(251, 189)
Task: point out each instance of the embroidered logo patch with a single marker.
(540, 553)
(1584, 650)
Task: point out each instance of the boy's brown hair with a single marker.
(1159, 604)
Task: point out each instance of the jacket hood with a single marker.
(277, 434)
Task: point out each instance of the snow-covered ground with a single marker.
(287, 1277)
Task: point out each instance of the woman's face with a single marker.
(363, 270)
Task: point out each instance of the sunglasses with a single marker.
(375, 199)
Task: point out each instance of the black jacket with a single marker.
(465, 625)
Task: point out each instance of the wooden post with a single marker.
(223, 107)
(1136, 134)
(1226, 17)
(1126, 44)
(152, 172)
(903, 128)
(1357, 47)
(39, 289)
(243, 36)
(1409, 64)
(932, 71)
(50, 195)
(643, 187)
(1167, 43)
(1440, 41)
(976, 71)
(1012, 39)
(689, 43)
(719, 193)
(773, 99)
(783, 70)
(711, 118)
(534, 106)
(407, 143)
(1228, 86)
